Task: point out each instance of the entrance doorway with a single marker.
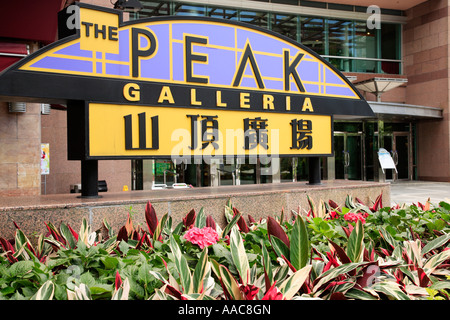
(348, 154)
(399, 145)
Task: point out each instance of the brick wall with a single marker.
(63, 172)
(20, 135)
(426, 54)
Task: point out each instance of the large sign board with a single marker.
(190, 132)
(183, 87)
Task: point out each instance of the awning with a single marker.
(11, 53)
(404, 112)
(30, 20)
(378, 86)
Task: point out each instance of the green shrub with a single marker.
(328, 252)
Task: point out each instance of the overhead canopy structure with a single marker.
(404, 112)
(378, 86)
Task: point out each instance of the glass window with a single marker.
(332, 38)
(365, 41)
(259, 19)
(390, 47)
(340, 42)
(222, 13)
(286, 170)
(151, 9)
(366, 46)
(340, 38)
(189, 10)
(285, 25)
(313, 34)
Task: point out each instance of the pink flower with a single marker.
(202, 237)
(354, 217)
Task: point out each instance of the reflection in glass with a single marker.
(285, 25)
(222, 13)
(189, 10)
(259, 19)
(313, 34)
(390, 49)
(151, 9)
(340, 42)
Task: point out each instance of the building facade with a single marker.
(396, 54)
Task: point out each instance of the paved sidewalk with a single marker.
(419, 191)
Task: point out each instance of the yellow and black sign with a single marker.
(182, 133)
(183, 87)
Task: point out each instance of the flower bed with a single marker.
(354, 251)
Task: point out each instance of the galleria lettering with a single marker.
(132, 92)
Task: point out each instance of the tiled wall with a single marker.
(20, 138)
(63, 172)
(426, 54)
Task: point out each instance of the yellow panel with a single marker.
(102, 30)
(107, 132)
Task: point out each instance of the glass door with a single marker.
(398, 144)
(401, 155)
(348, 150)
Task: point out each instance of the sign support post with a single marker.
(89, 179)
(314, 171)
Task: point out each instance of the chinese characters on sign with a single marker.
(209, 132)
(174, 132)
(301, 134)
(255, 133)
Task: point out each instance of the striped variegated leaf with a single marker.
(436, 243)
(122, 292)
(413, 249)
(335, 272)
(391, 289)
(441, 285)
(229, 214)
(299, 250)
(230, 284)
(182, 266)
(158, 276)
(79, 293)
(268, 271)
(85, 231)
(201, 270)
(45, 292)
(239, 255)
(200, 220)
(159, 228)
(355, 247)
(68, 236)
(435, 261)
(388, 237)
(358, 294)
(231, 224)
(280, 248)
(293, 283)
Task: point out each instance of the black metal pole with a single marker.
(89, 179)
(314, 170)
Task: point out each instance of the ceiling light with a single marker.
(128, 5)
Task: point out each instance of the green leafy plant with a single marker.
(348, 251)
